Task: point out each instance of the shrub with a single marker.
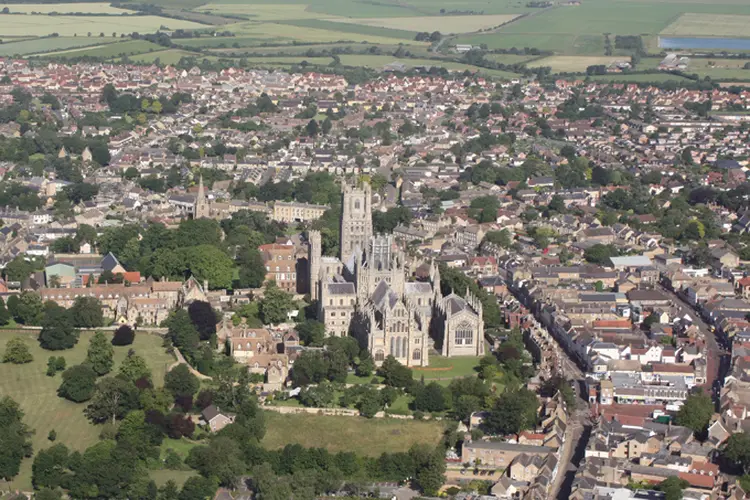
(123, 336)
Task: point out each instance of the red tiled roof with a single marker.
(698, 480)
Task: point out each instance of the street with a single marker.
(717, 359)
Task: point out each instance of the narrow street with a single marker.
(717, 359)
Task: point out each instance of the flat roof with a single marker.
(631, 261)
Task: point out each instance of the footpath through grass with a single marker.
(44, 411)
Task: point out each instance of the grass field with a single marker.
(37, 393)
(111, 50)
(370, 437)
(42, 25)
(161, 477)
(443, 24)
(574, 64)
(639, 78)
(37, 45)
(444, 368)
(709, 25)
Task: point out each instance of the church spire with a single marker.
(201, 209)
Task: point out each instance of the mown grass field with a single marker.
(37, 393)
(42, 25)
(718, 25)
(638, 78)
(369, 437)
(38, 45)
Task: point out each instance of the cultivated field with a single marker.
(67, 8)
(359, 29)
(443, 24)
(369, 437)
(169, 56)
(261, 12)
(574, 64)
(42, 25)
(38, 45)
(709, 25)
(37, 393)
(377, 62)
(118, 49)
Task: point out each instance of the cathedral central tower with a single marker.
(356, 219)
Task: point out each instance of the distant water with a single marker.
(704, 43)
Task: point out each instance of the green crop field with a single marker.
(377, 62)
(360, 29)
(443, 24)
(42, 25)
(639, 78)
(30, 387)
(709, 25)
(111, 50)
(370, 437)
(38, 45)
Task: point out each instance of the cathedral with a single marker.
(366, 292)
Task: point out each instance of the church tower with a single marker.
(356, 219)
(201, 210)
(313, 262)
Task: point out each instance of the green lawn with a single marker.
(448, 368)
(161, 476)
(44, 410)
(369, 437)
(181, 446)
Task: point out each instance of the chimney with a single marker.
(205, 286)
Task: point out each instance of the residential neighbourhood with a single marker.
(549, 280)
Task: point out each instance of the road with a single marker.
(717, 359)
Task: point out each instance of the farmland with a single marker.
(36, 393)
(111, 50)
(67, 8)
(443, 24)
(709, 25)
(574, 64)
(43, 25)
(37, 45)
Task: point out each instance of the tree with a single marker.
(484, 209)
(29, 309)
(49, 467)
(312, 128)
(134, 367)
(737, 451)
(57, 329)
(208, 263)
(124, 335)
(14, 438)
(432, 398)
(672, 487)
(113, 399)
(55, 364)
(79, 383)
(275, 305)
(311, 332)
(17, 352)
(252, 272)
(370, 403)
(180, 382)
(394, 373)
(513, 412)
(198, 488)
(696, 413)
(310, 368)
(203, 317)
(430, 471)
(500, 238)
(222, 459)
(183, 334)
(4, 313)
(600, 254)
(100, 354)
(87, 312)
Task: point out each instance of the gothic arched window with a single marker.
(379, 355)
(416, 355)
(464, 334)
